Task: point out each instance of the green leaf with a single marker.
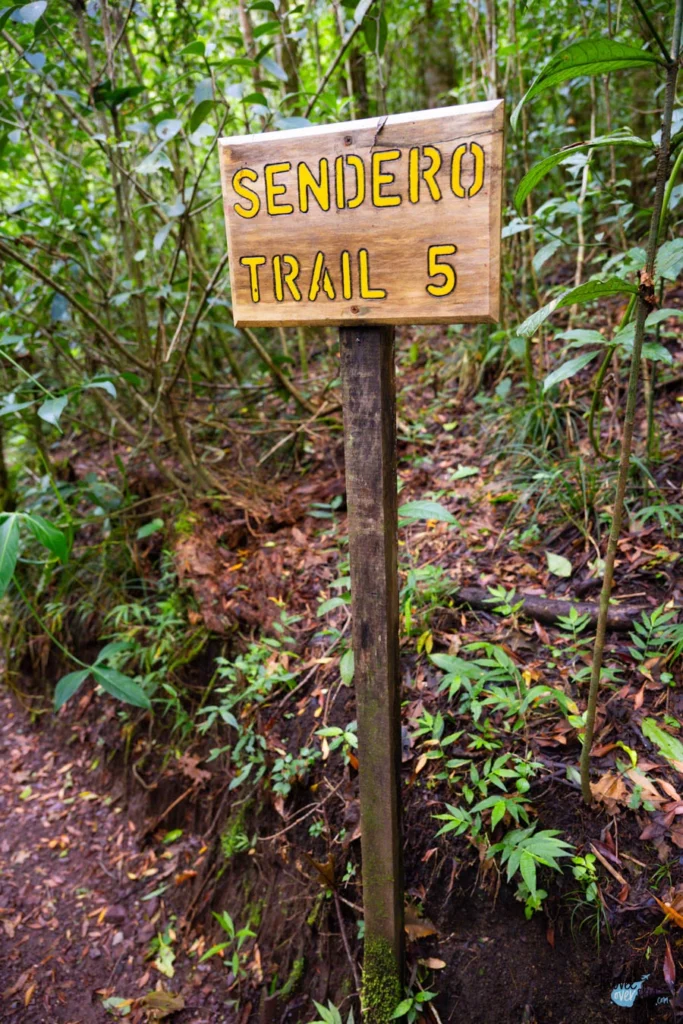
(29, 13)
(498, 813)
(595, 289)
(530, 180)
(658, 315)
(669, 260)
(51, 537)
(51, 410)
(558, 565)
(149, 528)
(527, 866)
(268, 28)
(121, 687)
(596, 56)
(402, 1008)
(545, 253)
(375, 30)
(581, 336)
(194, 49)
(9, 550)
(346, 667)
(568, 369)
(273, 68)
(331, 604)
(417, 511)
(200, 114)
(669, 746)
(67, 686)
(103, 384)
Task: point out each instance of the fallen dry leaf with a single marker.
(161, 1004)
(611, 791)
(432, 963)
(417, 927)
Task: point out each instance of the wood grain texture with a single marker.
(369, 397)
(438, 172)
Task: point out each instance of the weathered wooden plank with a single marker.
(369, 402)
(390, 220)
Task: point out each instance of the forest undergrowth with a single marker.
(241, 783)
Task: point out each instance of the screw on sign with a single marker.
(365, 225)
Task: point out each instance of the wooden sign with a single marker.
(389, 220)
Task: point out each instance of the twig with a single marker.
(345, 940)
(608, 867)
(312, 809)
(359, 14)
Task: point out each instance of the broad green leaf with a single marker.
(200, 114)
(149, 528)
(346, 667)
(597, 288)
(9, 550)
(168, 128)
(669, 746)
(274, 69)
(558, 565)
(29, 13)
(527, 867)
(657, 353)
(194, 49)
(568, 369)
(402, 1008)
(418, 511)
(51, 410)
(669, 262)
(121, 687)
(161, 235)
(543, 167)
(103, 385)
(51, 537)
(112, 648)
(580, 336)
(596, 56)
(268, 28)
(67, 686)
(331, 604)
(658, 315)
(545, 253)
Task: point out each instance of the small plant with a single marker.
(336, 738)
(504, 601)
(235, 941)
(289, 770)
(498, 774)
(331, 1015)
(573, 624)
(657, 636)
(413, 1006)
(587, 898)
(523, 850)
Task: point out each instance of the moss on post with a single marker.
(381, 982)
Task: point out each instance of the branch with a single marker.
(7, 251)
(360, 13)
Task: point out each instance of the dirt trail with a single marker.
(76, 919)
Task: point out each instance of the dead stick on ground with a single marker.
(548, 609)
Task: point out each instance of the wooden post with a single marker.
(369, 403)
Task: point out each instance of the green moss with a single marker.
(315, 912)
(295, 976)
(381, 982)
(234, 839)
